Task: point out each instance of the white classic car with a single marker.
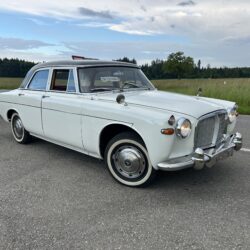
(111, 111)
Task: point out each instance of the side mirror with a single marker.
(120, 99)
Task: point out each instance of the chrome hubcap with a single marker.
(18, 127)
(129, 161)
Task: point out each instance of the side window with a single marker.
(63, 80)
(71, 82)
(39, 80)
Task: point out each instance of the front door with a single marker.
(30, 100)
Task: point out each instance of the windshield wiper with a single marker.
(135, 88)
(129, 83)
(100, 89)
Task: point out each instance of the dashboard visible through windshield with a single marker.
(99, 79)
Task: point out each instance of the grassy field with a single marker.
(10, 83)
(237, 90)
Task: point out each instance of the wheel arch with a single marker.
(10, 112)
(110, 131)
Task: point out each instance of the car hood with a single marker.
(190, 105)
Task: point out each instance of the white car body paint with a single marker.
(76, 120)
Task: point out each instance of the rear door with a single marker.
(61, 108)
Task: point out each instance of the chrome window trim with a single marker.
(31, 78)
(103, 66)
(48, 90)
(61, 92)
(76, 79)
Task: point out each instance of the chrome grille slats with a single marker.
(205, 132)
(222, 127)
(210, 130)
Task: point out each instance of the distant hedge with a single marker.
(14, 67)
(176, 66)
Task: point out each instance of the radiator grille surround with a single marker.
(223, 122)
(210, 130)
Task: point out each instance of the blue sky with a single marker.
(217, 32)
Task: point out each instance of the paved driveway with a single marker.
(55, 198)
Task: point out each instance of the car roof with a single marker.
(74, 63)
(83, 63)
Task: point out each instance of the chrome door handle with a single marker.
(45, 96)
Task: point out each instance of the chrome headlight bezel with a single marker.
(232, 114)
(183, 128)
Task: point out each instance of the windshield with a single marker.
(98, 79)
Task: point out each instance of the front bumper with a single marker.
(200, 158)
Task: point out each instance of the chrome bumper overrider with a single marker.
(200, 158)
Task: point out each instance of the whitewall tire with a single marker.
(18, 131)
(127, 160)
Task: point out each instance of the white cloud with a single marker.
(146, 17)
(126, 27)
(21, 44)
(214, 53)
(217, 31)
(37, 21)
(95, 25)
(30, 55)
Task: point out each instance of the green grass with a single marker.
(237, 90)
(10, 83)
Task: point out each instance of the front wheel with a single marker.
(19, 133)
(128, 162)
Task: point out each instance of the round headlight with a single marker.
(183, 128)
(232, 114)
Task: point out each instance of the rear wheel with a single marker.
(128, 162)
(19, 133)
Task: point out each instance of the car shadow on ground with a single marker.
(187, 179)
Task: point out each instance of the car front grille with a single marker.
(210, 130)
(223, 122)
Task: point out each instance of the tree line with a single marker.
(14, 67)
(176, 66)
